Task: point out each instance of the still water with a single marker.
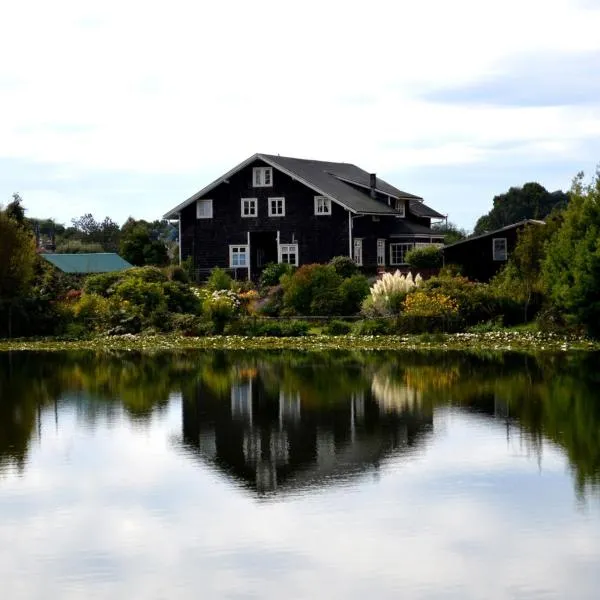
(299, 475)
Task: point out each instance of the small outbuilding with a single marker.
(480, 257)
(87, 264)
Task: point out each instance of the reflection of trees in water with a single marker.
(97, 385)
(325, 400)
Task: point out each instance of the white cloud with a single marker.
(194, 87)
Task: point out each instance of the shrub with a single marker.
(429, 257)
(344, 266)
(388, 293)
(146, 274)
(272, 303)
(429, 304)
(180, 298)
(313, 289)
(177, 273)
(218, 280)
(102, 284)
(92, 310)
(221, 307)
(337, 327)
(146, 296)
(273, 272)
(190, 325)
(262, 328)
(353, 291)
(371, 327)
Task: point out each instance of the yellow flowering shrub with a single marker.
(429, 304)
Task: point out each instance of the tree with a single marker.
(532, 201)
(89, 231)
(17, 260)
(571, 269)
(451, 232)
(15, 211)
(139, 247)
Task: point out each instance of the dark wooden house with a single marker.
(280, 209)
(480, 257)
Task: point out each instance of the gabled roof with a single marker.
(330, 179)
(496, 231)
(101, 262)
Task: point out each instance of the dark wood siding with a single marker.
(319, 238)
(475, 257)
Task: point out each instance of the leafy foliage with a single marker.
(344, 266)
(532, 201)
(313, 290)
(219, 279)
(424, 258)
(273, 272)
(571, 269)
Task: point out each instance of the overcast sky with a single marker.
(125, 108)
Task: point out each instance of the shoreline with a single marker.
(499, 341)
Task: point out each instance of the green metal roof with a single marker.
(101, 262)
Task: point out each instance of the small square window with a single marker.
(249, 207)
(276, 207)
(288, 253)
(238, 256)
(499, 249)
(204, 209)
(322, 205)
(262, 177)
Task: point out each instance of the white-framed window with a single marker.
(381, 253)
(357, 254)
(398, 253)
(249, 207)
(499, 249)
(238, 256)
(288, 253)
(204, 209)
(277, 207)
(262, 177)
(400, 206)
(322, 205)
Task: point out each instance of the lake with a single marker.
(299, 475)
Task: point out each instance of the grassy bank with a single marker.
(532, 342)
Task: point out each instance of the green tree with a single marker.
(17, 260)
(532, 201)
(106, 233)
(451, 232)
(571, 269)
(15, 210)
(138, 247)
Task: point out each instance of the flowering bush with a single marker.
(388, 293)
(429, 304)
(249, 301)
(221, 307)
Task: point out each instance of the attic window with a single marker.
(322, 205)
(262, 177)
(204, 209)
(400, 206)
(499, 249)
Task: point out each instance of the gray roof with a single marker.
(330, 179)
(495, 231)
(100, 262)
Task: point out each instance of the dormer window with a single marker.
(262, 177)
(399, 206)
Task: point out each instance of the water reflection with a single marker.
(282, 421)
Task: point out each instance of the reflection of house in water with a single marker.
(273, 441)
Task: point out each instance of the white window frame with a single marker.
(275, 201)
(500, 254)
(288, 249)
(237, 250)
(357, 251)
(259, 177)
(401, 207)
(381, 252)
(202, 214)
(325, 204)
(252, 204)
(407, 246)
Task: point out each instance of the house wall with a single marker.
(475, 257)
(319, 237)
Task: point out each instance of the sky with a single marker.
(124, 108)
